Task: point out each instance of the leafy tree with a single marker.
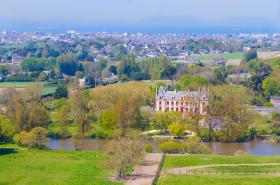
(250, 55)
(176, 129)
(67, 64)
(193, 145)
(102, 64)
(220, 76)
(129, 67)
(37, 64)
(121, 161)
(261, 71)
(62, 118)
(192, 82)
(270, 87)
(36, 138)
(4, 70)
(61, 92)
(7, 128)
(113, 69)
(169, 72)
(162, 120)
(26, 109)
(81, 111)
(90, 81)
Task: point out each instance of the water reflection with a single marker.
(253, 147)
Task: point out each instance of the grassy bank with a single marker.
(219, 180)
(43, 167)
(197, 160)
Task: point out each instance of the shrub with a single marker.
(61, 92)
(176, 129)
(193, 145)
(170, 147)
(268, 104)
(36, 138)
(148, 148)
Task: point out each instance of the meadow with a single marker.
(44, 167)
(172, 162)
(47, 87)
(219, 180)
(195, 178)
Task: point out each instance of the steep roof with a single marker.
(178, 95)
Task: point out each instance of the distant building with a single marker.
(275, 100)
(82, 82)
(185, 102)
(17, 59)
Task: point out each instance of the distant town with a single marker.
(93, 46)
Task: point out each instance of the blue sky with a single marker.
(143, 15)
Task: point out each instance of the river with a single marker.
(258, 148)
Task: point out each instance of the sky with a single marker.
(156, 16)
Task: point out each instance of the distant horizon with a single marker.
(56, 29)
(146, 16)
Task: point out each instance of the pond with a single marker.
(259, 148)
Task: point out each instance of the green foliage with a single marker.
(26, 110)
(4, 70)
(162, 120)
(268, 104)
(261, 71)
(108, 121)
(67, 64)
(169, 72)
(176, 129)
(37, 64)
(102, 64)
(61, 92)
(192, 145)
(192, 82)
(36, 138)
(271, 87)
(171, 147)
(7, 128)
(148, 148)
(250, 55)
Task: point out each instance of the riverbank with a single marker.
(257, 148)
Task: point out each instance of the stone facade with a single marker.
(186, 102)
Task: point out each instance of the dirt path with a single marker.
(145, 172)
(189, 168)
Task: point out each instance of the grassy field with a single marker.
(219, 180)
(47, 89)
(17, 84)
(42, 167)
(227, 56)
(241, 169)
(233, 89)
(197, 160)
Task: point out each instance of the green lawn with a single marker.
(17, 84)
(241, 169)
(228, 56)
(197, 160)
(219, 180)
(47, 89)
(43, 167)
